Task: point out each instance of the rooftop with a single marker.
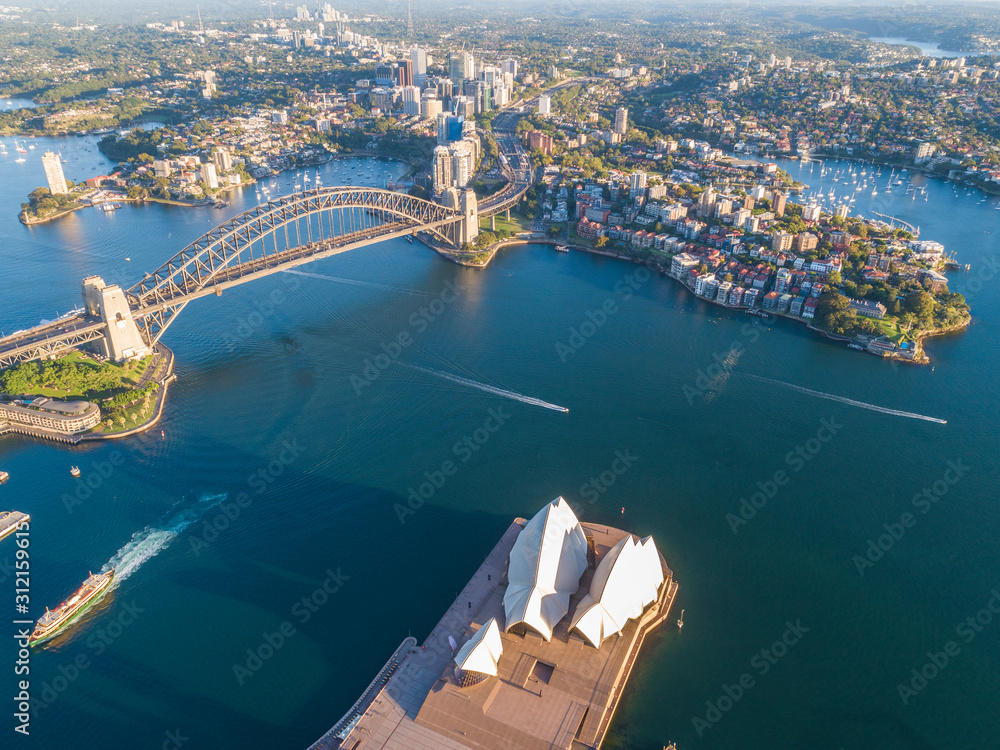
(556, 694)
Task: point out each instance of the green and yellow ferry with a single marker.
(55, 620)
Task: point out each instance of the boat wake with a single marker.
(850, 401)
(148, 543)
(490, 388)
(354, 282)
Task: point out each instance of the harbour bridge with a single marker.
(272, 237)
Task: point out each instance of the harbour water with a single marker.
(930, 49)
(296, 519)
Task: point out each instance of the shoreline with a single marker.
(164, 382)
(920, 357)
(210, 202)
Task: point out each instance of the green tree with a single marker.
(834, 313)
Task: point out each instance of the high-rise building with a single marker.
(779, 203)
(461, 66)
(509, 66)
(430, 106)
(403, 73)
(161, 168)
(449, 128)
(453, 166)
(464, 106)
(637, 184)
(544, 104)
(456, 69)
(418, 58)
(54, 173)
(385, 75)
(223, 160)
(621, 121)
(208, 176)
(411, 100)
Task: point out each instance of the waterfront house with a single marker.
(868, 308)
(809, 308)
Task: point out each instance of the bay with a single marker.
(276, 469)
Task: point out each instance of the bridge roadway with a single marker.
(285, 259)
(216, 270)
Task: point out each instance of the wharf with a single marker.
(11, 521)
(557, 694)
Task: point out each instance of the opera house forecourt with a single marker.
(534, 652)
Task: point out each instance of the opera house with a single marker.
(534, 653)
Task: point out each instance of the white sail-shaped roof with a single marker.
(626, 580)
(546, 563)
(482, 651)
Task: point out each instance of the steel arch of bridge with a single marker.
(237, 251)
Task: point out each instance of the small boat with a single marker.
(408, 238)
(562, 249)
(4, 476)
(680, 622)
(128, 260)
(55, 620)
(74, 470)
(19, 159)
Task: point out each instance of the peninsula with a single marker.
(534, 653)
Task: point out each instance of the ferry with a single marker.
(74, 470)
(11, 521)
(562, 249)
(53, 621)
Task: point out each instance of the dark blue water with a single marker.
(289, 449)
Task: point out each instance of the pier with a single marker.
(11, 521)
(893, 221)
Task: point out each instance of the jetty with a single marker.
(11, 521)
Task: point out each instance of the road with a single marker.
(521, 172)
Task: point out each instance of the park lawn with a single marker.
(91, 390)
(134, 416)
(890, 328)
(513, 225)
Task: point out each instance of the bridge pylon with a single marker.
(464, 201)
(122, 339)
